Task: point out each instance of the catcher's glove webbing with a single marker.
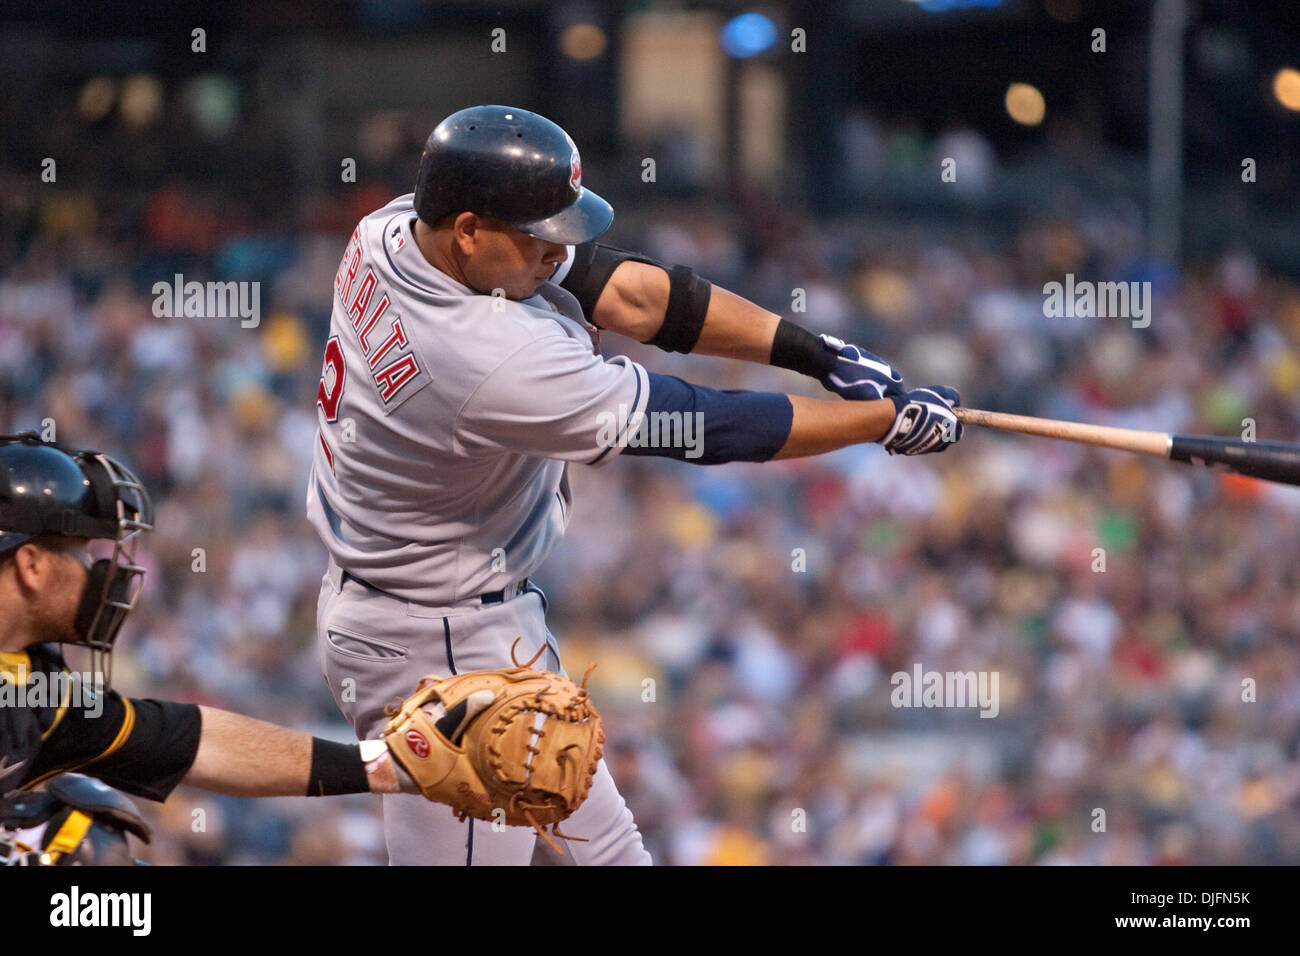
(530, 752)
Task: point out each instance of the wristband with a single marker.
(336, 768)
(799, 350)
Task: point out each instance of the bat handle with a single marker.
(1156, 444)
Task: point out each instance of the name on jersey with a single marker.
(378, 343)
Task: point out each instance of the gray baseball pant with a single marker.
(373, 649)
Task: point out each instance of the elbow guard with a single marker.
(688, 293)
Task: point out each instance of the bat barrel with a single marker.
(1270, 460)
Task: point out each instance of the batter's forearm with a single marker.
(821, 425)
(736, 328)
(705, 426)
(678, 311)
(635, 301)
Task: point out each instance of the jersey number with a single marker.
(330, 389)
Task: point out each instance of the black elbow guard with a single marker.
(688, 293)
(688, 302)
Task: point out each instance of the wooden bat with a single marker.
(1269, 460)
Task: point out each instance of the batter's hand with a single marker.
(924, 422)
(859, 375)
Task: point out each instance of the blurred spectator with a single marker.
(748, 619)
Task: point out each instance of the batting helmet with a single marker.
(512, 165)
(47, 490)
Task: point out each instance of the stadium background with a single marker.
(774, 171)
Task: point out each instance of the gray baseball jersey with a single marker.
(448, 419)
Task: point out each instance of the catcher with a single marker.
(53, 503)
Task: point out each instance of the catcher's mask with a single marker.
(47, 490)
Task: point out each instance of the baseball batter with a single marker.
(461, 378)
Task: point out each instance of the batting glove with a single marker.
(859, 375)
(924, 422)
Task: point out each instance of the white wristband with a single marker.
(372, 750)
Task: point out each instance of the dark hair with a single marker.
(46, 542)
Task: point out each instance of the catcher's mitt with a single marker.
(530, 751)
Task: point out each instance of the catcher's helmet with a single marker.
(75, 821)
(47, 490)
(512, 165)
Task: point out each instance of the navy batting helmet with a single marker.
(512, 165)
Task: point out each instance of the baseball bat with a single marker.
(1269, 460)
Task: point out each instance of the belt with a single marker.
(488, 597)
(505, 594)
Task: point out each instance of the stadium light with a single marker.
(1025, 104)
(748, 35)
(943, 6)
(142, 100)
(96, 98)
(1286, 87)
(583, 41)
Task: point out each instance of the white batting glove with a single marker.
(924, 422)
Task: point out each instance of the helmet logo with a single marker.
(419, 746)
(575, 165)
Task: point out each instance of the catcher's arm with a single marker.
(244, 757)
(147, 747)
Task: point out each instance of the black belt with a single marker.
(488, 597)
